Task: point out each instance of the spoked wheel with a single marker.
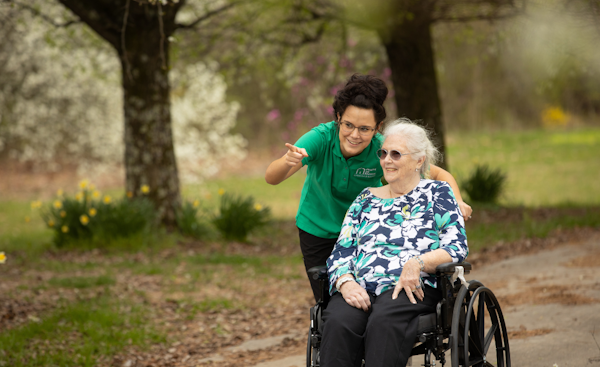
(479, 335)
(311, 353)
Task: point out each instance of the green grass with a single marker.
(528, 225)
(82, 282)
(77, 335)
(544, 167)
(16, 233)
(283, 199)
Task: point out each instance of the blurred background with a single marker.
(118, 115)
(518, 86)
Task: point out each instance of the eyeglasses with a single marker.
(394, 154)
(362, 130)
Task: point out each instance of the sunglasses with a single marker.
(394, 154)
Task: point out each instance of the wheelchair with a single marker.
(468, 322)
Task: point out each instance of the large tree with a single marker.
(140, 31)
(405, 30)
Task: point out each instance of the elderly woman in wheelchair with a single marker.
(380, 271)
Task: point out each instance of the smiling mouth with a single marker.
(352, 143)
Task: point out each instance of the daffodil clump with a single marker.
(239, 215)
(91, 215)
(191, 220)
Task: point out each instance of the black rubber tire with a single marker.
(477, 320)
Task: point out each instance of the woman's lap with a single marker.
(388, 330)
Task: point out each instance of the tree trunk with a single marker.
(149, 152)
(140, 37)
(410, 54)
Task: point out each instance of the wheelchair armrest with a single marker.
(448, 268)
(318, 272)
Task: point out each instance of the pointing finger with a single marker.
(295, 149)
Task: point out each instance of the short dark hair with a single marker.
(362, 91)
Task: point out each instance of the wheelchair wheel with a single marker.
(477, 322)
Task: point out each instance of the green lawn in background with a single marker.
(545, 168)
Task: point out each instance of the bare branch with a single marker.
(125, 59)
(38, 13)
(206, 16)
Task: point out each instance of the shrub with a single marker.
(90, 217)
(189, 223)
(485, 185)
(238, 216)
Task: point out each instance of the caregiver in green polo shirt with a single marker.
(341, 162)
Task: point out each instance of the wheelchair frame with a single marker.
(459, 324)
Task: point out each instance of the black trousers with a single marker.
(384, 335)
(315, 251)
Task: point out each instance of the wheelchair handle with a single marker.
(318, 272)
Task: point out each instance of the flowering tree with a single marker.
(139, 31)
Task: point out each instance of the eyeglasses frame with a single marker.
(390, 151)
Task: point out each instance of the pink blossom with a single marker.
(298, 115)
(273, 115)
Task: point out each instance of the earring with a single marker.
(416, 170)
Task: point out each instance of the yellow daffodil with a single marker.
(64, 229)
(27, 219)
(93, 212)
(50, 223)
(84, 184)
(2, 258)
(221, 192)
(129, 194)
(57, 204)
(196, 203)
(63, 213)
(96, 194)
(84, 219)
(79, 196)
(145, 189)
(107, 199)
(36, 204)
(258, 207)
(59, 192)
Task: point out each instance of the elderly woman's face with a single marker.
(403, 168)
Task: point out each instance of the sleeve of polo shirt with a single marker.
(344, 252)
(449, 223)
(314, 142)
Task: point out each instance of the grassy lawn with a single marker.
(545, 168)
(89, 307)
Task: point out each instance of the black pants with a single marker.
(315, 251)
(385, 334)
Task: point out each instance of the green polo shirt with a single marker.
(333, 182)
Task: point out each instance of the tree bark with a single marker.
(409, 47)
(149, 152)
(140, 38)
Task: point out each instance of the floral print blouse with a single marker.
(380, 235)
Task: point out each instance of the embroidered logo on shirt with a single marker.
(365, 172)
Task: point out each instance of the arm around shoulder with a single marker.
(440, 174)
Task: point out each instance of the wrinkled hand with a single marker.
(355, 295)
(465, 209)
(409, 280)
(294, 155)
